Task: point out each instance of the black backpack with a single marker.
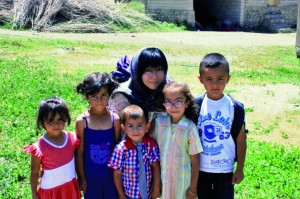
(238, 120)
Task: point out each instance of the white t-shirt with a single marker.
(214, 124)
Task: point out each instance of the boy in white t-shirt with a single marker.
(220, 149)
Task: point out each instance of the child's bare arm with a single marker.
(156, 180)
(152, 128)
(118, 183)
(192, 190)
(238, 175)
(80, 125)
(34, 175)
(117, 126)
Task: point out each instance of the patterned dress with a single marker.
(98, 145)
(58, 178)
(177, 142)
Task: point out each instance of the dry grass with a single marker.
(43, 14)
(74, 16)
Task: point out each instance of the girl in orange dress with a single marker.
(52, 155)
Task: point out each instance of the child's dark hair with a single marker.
(191, 112)
(150, 58)
(133, 112)
(93, 82)
(213, 60)
(48, 108)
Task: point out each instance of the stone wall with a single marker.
(172, 15)
(175, 11)
(290, 14)
(254, 17)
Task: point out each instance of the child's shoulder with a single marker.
(82, 116)
(150, 141)
(199, 100)
(115, 115)
(71, 134)
(121, 144)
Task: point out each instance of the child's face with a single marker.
(55, 127)
(100, 99)
(135, 129)
(214, 81)
(153, 77)
(175, 103)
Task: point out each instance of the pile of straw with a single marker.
(39, 15)
(6, 11)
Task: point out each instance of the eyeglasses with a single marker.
(177, 104)
(102, 97)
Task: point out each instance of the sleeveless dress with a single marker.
(58, 177)
(98, 146)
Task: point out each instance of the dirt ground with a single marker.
(271, 103)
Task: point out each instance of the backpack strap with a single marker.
(199, 100)
(238, 119)
(238, 122)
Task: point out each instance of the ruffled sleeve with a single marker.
(77, 143)
(34, 150)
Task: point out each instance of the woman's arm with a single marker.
(117, 103)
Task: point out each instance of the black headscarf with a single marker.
(137, 92)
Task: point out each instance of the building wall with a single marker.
(171, 10)
(289, 9)
(247, 13)
(256, 9)
(254, 13)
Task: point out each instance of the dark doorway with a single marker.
(202, 13)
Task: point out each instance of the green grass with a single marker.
(272, 171)
(32, 69)
(135, 20)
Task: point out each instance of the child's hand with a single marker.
(237, 177)
(83, 185)
(155, 193)
(35, 196)
(122, 196)
(190, 195)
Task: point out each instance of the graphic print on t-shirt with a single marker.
(213, 126)
(100, 153)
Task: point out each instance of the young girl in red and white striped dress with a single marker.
(53, 154)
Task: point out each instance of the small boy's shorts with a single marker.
(215, 186)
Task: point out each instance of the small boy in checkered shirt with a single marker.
(132, 182)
